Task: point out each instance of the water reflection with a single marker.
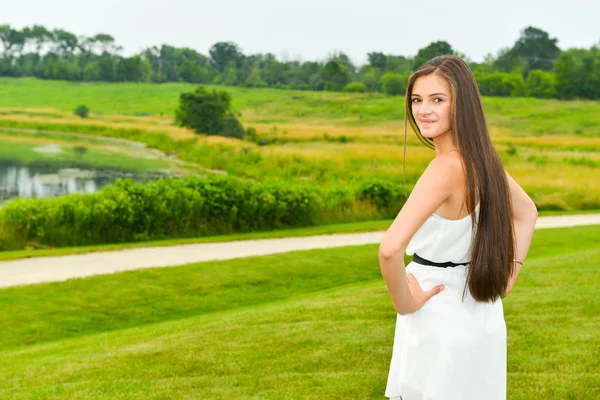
(38, 180)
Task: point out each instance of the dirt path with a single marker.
(48, 269)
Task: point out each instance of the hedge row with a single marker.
(187, 207)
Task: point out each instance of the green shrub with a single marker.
(583, 161)
(393, 84)
(232, 128)
(372, 79)
(540, 84)
(501, 84)
(186, 207)
(383, 194)
(538, 160)
(82, 111)
(251, 133)
(356, 87)
(209, 113)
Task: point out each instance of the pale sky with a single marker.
(311, 29)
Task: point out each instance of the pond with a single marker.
(47, 180)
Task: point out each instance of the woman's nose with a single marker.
(424, 109)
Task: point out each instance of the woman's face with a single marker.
(431, 106)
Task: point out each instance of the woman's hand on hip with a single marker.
(419, 296)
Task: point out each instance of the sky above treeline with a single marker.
(309, 30)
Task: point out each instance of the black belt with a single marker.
(421, 260)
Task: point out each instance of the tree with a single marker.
(168, 62)
(569, 73)
(65, 70)
(192, 73)
(591, 61)
(504, 61)
(536, 48)
(231, 75)
(223, 53)
(577, 73)
(372, 79)
(399, 64)
(486, 66)
(377, 60)
(254, 77)
(26, 64)
(106, 67)
(274, 72)
(91, 72)
(174, 64)
(103, 43)
(45, 67)
(344, 63)
(40, 36)
(206, 112)
(12, 40)
(334, 77)
(432, 50)
(129, 69)
(65, 43)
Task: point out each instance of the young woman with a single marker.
(469, 226)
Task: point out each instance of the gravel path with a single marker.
(48, 269)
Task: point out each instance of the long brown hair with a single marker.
(492, 247)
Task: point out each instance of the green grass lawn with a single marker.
(314, 324)
(140, 99)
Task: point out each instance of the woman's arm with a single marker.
(433, 188)
(524, 217)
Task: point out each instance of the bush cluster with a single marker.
(185, 207)
(209, 112)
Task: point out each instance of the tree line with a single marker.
(534, 66)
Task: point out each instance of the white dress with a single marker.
(448, 349)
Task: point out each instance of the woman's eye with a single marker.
(415, 100)
(436, 100)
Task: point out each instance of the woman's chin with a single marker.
(432, 133)
(429, 135)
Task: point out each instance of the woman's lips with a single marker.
(427, 122)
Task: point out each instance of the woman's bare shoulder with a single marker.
(447, 166)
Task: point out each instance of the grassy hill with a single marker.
(549, 146)
(313, 324)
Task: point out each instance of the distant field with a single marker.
(313, 323)
(30, 149)
(549, 146)
(274, 107)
